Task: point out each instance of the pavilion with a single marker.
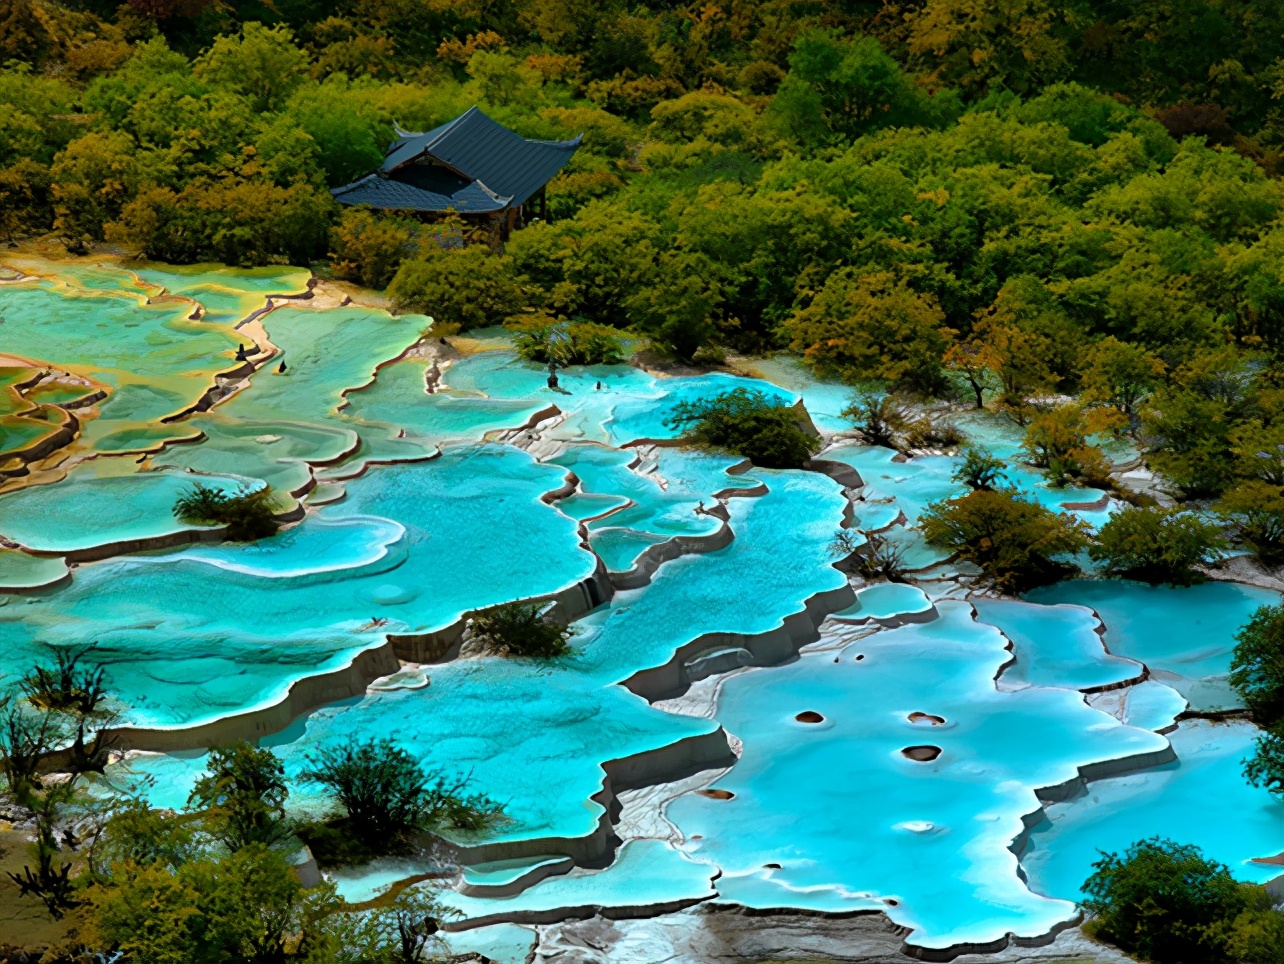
(471, 166)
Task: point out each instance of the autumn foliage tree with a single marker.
(874, 326)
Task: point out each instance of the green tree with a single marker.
(874, 326)
(137, 834)
(26, 204)
(1157, 545)
(1026, 338)
(838, 90)
(593, 265)
(1258, 450)
(262, 64)
(245, 906)
(1187, 425)
(541, 338)
(1164, 902)
(1265, 768)
(248, 513)
(719, 117)
(880, 418)
(243, 793)
(403, 930)
(980, 470)
(746, 423)
(348, 132)
(1256, 509)
(93, 178)
(678, 309)
(471, 287)
(1257, 666)
(1057, 440)
(241, 222)
(752, 255)
(1019, 45)
(1120, 374)
(1015, 542)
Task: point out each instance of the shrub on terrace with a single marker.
(1157, 545)
(746, 423)
(387, 794)
(521, 630)
(1016, 542)
(543, 338)
(248, 513)
(980, 470)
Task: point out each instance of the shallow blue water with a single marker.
(932, 843)
(1185, 635)
(231, 627)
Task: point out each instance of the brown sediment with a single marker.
(1096, 506)
(714, 793)
(809, 716)
(924, 753)
(919, 717)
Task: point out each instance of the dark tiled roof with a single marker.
(385, 193)
(476, 146)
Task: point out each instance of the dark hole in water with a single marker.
(922, 754)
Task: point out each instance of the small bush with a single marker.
(387, 794)
(335, 843)
(980, 471)
(541, 338)
(248, 513)
(1013, 540)
(1057, 440)
(471, 286)
(746, 423)
(1157, 545)
(869, 555)
(1166, 902)
(70, 685)
(519, 630)
(926, 432)
(878, 418)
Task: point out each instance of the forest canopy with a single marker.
(940, 195)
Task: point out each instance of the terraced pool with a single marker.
(738, 725)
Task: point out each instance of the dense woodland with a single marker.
(1070, 211)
